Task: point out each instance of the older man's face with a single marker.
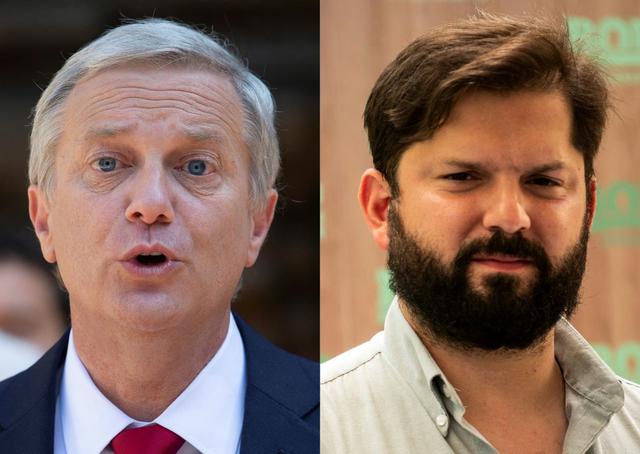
(150, 220)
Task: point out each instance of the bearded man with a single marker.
(483, 135)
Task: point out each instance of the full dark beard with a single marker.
(507, 313)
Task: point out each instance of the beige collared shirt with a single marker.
(389, 396)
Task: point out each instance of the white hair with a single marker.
(158, 41)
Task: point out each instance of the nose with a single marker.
(506, 210)
(150, 199)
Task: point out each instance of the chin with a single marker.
(482, 286)
(149, 312)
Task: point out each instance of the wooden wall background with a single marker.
(358, 39)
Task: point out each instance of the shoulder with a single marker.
(266, 358)
(282, 402)
(27, 404)
(352, 361)
(290, 379)
(36, 379)
(363, 395)
(354, 381)
(623, 430)
(631, 395)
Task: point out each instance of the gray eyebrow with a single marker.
(201, 133)
(108, 131)
(196, 133)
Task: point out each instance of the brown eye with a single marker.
(543, 181)
(460, 176)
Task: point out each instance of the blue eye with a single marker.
(107, 164)
(196, 167)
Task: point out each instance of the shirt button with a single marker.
(441, 420)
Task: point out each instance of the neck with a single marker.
(504, 383)
(143, 372)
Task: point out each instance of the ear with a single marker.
(39, 214)
(374, 196)
(591, 208)
(261, 222)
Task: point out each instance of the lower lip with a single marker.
(150, 271)
(504, 266)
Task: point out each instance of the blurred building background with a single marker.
(279, 39)
(358, 39)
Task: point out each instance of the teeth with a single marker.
(153, 254)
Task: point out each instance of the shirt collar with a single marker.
(597, 387)
(593, 393)
(584, 371)
(405, 351)
(208, 414)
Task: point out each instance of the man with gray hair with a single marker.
(152, 169)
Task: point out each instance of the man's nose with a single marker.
(150, 198)
(506, 210)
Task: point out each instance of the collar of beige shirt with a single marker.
(593, 392)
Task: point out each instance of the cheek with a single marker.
(220, 250)
(80, 227)
(220, 231)
(440, 221)
(559, 229)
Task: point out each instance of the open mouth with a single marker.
(152, 259)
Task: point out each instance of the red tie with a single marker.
(152, 439)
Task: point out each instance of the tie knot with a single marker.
(152, 439)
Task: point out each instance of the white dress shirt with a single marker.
(208, 414)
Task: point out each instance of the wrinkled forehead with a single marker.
(113, 100)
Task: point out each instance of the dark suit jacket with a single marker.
(281, 414)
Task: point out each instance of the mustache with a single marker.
(515, 245)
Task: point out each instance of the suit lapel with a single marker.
(282, 399)
(269, 428)
(28, 405)
(281, 403)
